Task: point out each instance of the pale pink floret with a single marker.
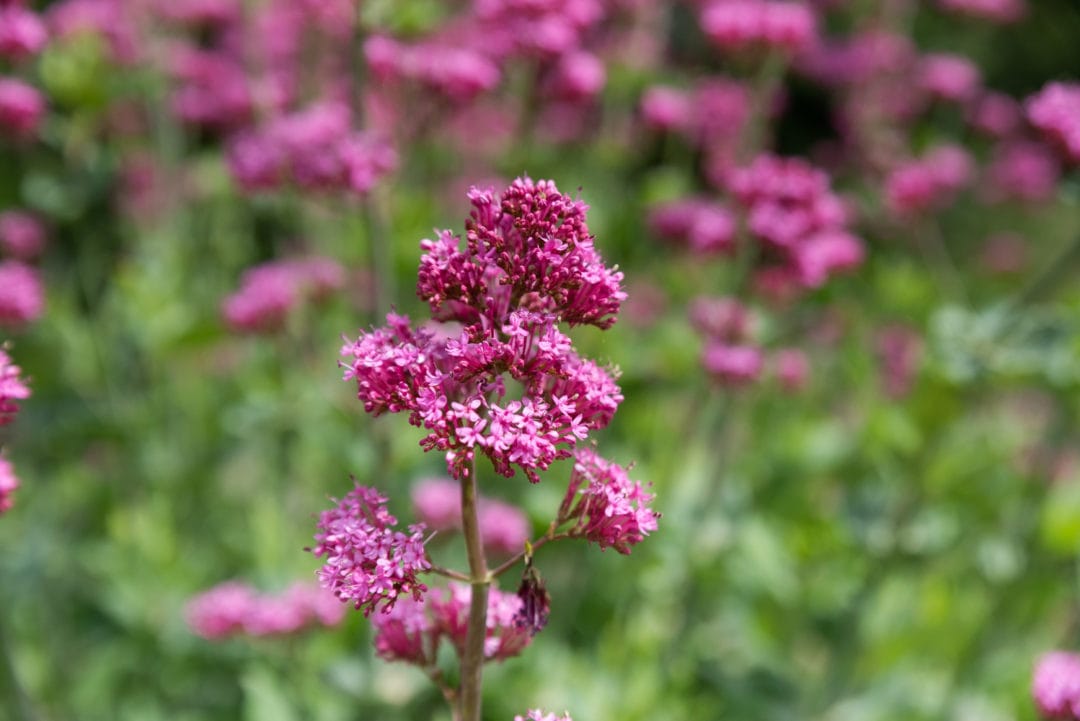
(1055, 110)
(741, 24)
(9, 483)
(22, 32)
(12, 388)
(22, 234)
(367, 563)
(538, 715)
(1000, 11)
(22, 107)
(605, 506)
(22, 297)
(1055, 685)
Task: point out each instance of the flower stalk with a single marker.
(472, 662)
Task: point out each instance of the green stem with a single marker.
(472, 662)
(1050, 278)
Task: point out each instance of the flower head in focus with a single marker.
(367, 562)
(607, 507)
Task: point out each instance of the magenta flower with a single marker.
(12, 388)
(538, 715)
(406, 632)
(999, 11)
(9, 483)
(455, 72)
(234, 608)
(720, 318)
(528, 263)
(269, 292)
(505, 638)
(22, 298)
(1023, 170)
(579, 76)
(949, 77)
(535, 28)
(929, 183)
(702, 225)
(1055, 685)
(792, 369)
(607, 507)
(367, 563)
(732, 364)
(1055, 110)
(22, 33)
(737, 25)
(995, 114)
(21, 107)
(22, 234)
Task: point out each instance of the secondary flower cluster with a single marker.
(1055, 685)
(269, 292)
(929, 182)
(1055, 110)
(528, 264)
(367, 562)
(605, 506)
(412, 630)
(314, 149)
(437, 503)
(13, 388)
(762, 24)
(233, 608)
(799, 225)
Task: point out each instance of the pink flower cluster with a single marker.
(437, 504)
(705, 114)
(234, 608)
(1055, 685)
(13, 388)
(455, 72)
(314, 149)
(702, 225)
(22, 32)
(538, 715)
(605, 506)
(1055, 110)
(22, 297)
(22, 108)
(738, 25)
(929, 183)
(367, 563)
(269, 292)
(413, 629)
(112, 20)
(528, 264)
(799, 224)
(22, 234)
(949, 77)
(536, 28)
(1000, 11)
(1022, 170)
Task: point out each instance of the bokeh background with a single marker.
(897, 539)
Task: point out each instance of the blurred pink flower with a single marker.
(269, 292)
(22, 234)
(736, 25)
(792, 369)
(1022, 170)
(538, 715)
(929, 183)
(698, 223)
(1055, 110)
(949, 77)
(995, 114)
(22, 107)
(22, 298)
(113, 20)
(457, 72)
(9, 483)
(234, 607)
(437, 503)
(578, 76)
(1055, 685)
(732, 364)
(899, 350)
(1001, 11)
(22, 32)
(720, 318)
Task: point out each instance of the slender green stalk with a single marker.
(472, 661)
(1046, 282)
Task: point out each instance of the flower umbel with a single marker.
(367, 562)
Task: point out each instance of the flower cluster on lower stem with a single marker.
(413, 629)
(367, 562)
